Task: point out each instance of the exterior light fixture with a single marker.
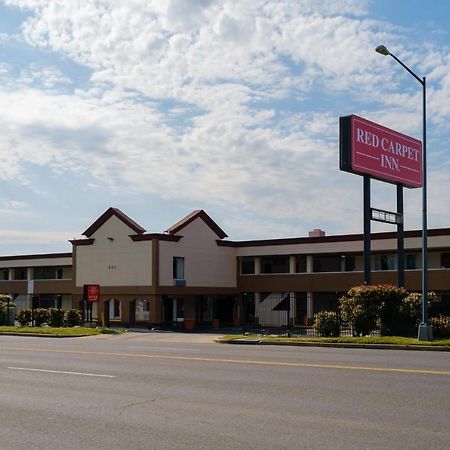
(425, 331)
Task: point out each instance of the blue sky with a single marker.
(158, 108)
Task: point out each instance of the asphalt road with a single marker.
(169, 391)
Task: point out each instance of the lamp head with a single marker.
(382, 50)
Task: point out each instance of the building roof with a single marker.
(335, 238)
(37, 256)
(198, 213)
(120, 215)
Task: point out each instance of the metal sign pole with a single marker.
(367, 217)
(400, 239)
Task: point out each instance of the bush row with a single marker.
(53, 317)
(392, 310)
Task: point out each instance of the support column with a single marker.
(238, 311)
(367, 218)
(125, 312)
(309, 308)
(309, 264)
(189, 313)
(292, 264)
(174, 310)
(10, 274)
(257, 265)
(400, 239)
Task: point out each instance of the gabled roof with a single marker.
(120, 215)
(198, 213)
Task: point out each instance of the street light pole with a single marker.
(425, 331)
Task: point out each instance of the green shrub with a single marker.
(441, 326)
(411, 313)
(369, 307)
(24, 317)
(73, 317)
(56, 317)
(326, 324)
(40, 316)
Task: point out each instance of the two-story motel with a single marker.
(192, 276)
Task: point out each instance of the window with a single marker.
(348, 263)
(45, 273)
(247, 265)
(385, 262)
(115, 308)
(4, 274)
(445, 260)
(275, 264)
(20, 273)
(142, 309)
(327, 263)
(300, 264)
(411, 262)
(178, 268)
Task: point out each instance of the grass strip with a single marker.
(62, 331)
(389, 340)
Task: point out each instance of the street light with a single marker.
(425, 331)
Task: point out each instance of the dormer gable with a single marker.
(194, 215)
(130, 223)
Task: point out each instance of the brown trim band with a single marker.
(82, 241)
(157, 236)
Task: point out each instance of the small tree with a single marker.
(368, 307)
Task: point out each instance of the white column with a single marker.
(257, 265)
(291, 305)
(10, 274)
(174, 309)
(309, 264)
(309, 305)
(292, 264)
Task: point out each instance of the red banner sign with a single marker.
(385, 154)
(92, 292)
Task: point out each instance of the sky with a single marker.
(162, 107)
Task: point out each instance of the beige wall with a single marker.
(116, 262)
(206, 264)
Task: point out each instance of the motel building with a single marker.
(192, 276)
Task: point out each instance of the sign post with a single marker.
(91, 294)
(374, 151)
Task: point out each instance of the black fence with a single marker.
(299, 331)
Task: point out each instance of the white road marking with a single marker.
(63, 372)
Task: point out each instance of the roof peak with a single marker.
(108, 214)
(197, 213)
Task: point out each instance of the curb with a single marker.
(435, 348)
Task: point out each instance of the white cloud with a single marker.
(209, 102)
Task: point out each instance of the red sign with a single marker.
(92, 292)
(367, 148)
